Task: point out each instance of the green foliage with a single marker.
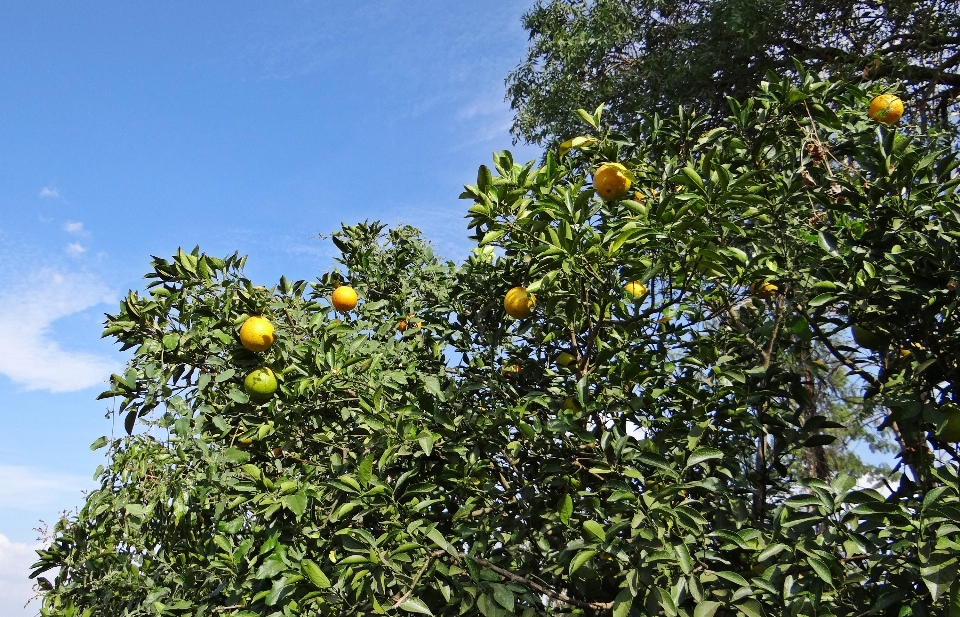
(645, 56)
(662, 472)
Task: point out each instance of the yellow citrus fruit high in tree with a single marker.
(518, 303)
(636, 289)
(260, 384)
(610, 182)
(344, 298)
(763, 290)
(886, 108)
(256, 333)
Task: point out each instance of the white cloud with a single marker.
(73, 227)
(29, 488)
(75, 248)
(28, 355)
(15, 588)
(49, 192)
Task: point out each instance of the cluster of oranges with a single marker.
(257, 334)
(611, 181)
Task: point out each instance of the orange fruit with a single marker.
(636, 289)
(949, 430)
(609, 182)
(402, 326)
(256, 333)
(510, 371)
(867, 338)
(763, 290)
(518, 303)
(885, 108)
(565, 359)
(260, 384)
(344, 298)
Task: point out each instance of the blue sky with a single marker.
(130, 128)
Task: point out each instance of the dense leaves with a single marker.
(450, 466)
(643, 56)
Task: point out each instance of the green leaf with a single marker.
(503, 596)
(581, 558)
(594, 531)
(703, 454)
(939, 572)
(296, 503)
(576, 142)
(413, 604)
(586, 117)
(426, 439)
(314, 574)
(821, 568)
(439, 540)
(235, 455)
(271, 567)
(365, 470)
(622, 603)
(565, 509)
(706, 609)
(432, 384)
(828, 242)
(683, 556)
(751, 608)
(99, 443)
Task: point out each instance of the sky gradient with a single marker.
(128, 129)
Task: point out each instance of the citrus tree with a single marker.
(604, 410)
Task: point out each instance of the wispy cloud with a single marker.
(31, 357)
(75, 248)
(15, 588)
(49, 192)
(73, 227)
(29, 488)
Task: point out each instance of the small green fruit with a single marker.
(869, 339)
(260, 384)
(949, 430)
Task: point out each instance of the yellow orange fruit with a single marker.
(885, 108)
(402, 326)
(763, 290)
(510, 371)
(256, 333)
(565, 359)
(518, 303)
(636, 289)
(344, 298)
(610, 182)
(260, 384)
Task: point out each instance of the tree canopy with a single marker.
(640, 56)
(452, 466)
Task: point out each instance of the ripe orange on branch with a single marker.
(764, 290)
(344, 298)
(518, 303)
(635, 289)
(885, 108)
(610, 182)
(256, 333)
